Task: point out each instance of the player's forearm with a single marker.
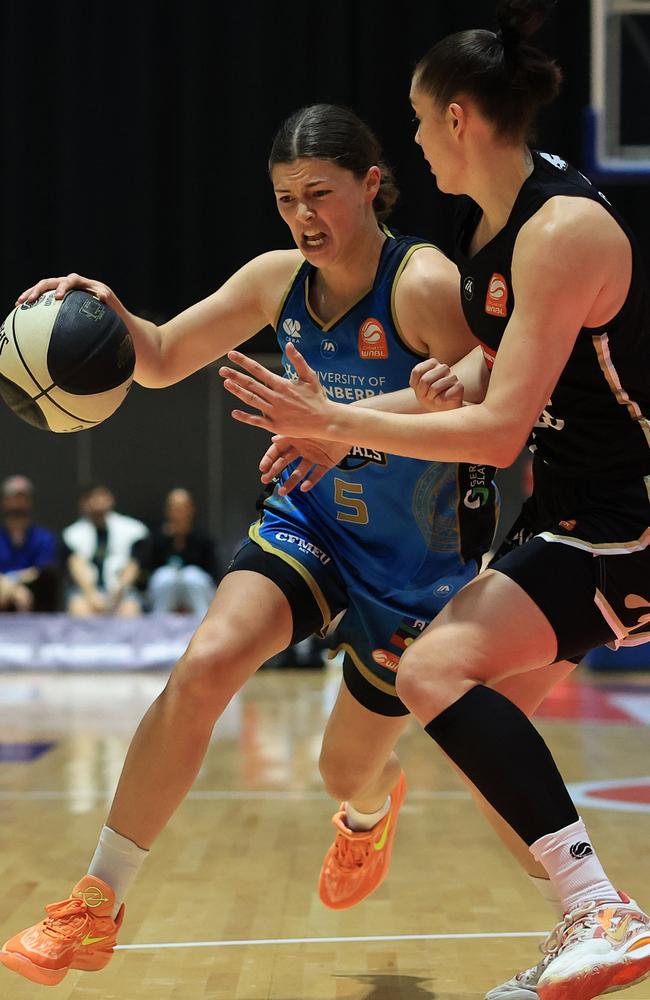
(472, 434)
(147, 341)
(473, 372)
(400, 401)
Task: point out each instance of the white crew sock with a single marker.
(116, 861)
(573, 867)
(359, 821)
(546, 889)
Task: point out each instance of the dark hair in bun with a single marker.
(507, 77)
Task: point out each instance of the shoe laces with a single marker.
(352, 852)
(578, 924)
(66, 918)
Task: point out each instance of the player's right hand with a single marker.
(66, 284)
(435, 386)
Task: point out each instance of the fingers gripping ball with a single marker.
(65, 364)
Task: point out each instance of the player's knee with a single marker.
(430, 679)
(413, 676)
(213, 668)
(340, 778)
(426, 682)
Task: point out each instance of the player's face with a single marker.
(436, 137)
(325, 206)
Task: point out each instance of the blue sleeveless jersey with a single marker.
(395, 523)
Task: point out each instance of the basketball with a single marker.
(65, 364)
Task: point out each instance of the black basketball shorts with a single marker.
(581, 550)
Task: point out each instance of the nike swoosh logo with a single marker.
(94, 940)
(381, 843)
(618, 935)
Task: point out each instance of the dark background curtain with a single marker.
(135, 139)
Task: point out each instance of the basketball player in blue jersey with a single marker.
(383, 539)
(553, 286)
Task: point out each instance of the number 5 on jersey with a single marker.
(348, 495)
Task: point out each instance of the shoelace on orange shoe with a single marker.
(351, 854)
(66, 918)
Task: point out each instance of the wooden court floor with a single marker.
(226, 907)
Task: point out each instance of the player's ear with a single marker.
(372, 182)
(457, 118)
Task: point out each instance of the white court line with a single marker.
(261, 796)
(368, 939)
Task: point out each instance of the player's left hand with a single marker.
(297, 408)
(436, 387)
(315, 459)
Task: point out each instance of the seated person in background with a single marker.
(179, 560)
(28, 576)
(100, 563)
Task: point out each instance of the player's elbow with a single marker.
(505, 448)
(151, 378)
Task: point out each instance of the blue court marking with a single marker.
(20, 753)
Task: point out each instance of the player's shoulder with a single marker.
(426, 264)
(428, 307)
(567, 225)
(276, 265)
(428, 277)
(269, 275)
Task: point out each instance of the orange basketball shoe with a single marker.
(357, 863)
(78, 933)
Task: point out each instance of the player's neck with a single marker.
(494, 185)
(338, 286)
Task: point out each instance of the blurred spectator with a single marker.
(28, 575)
(179, 560)
(100, 563)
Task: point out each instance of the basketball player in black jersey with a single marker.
(553, 286)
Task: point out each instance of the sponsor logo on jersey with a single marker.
(478, 493)
(303, 546)
(386, 659)
(468, 288)
(444, 590)
(569, 525)
(496, 300)
(358, 458)
(328, 348)
(547, 419)
(292, 328)
(373, 343)
(476, 497)
(555, 161)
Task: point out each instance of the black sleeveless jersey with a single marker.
(598, 418)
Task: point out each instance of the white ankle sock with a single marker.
(546, 889)
(573, 866)
(116, 861)
(359, 821)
